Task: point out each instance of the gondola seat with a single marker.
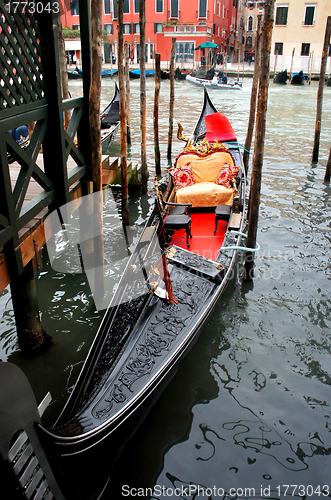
(204, 191)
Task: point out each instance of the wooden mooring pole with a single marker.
(127, 90)
(26, 310)
(156, 113)
(63, 70)
(95, 134)
(142, 66)
(124, 161)
(321, 85)
(328, 169)
(255, 188)
(172, 97)
(252, 111)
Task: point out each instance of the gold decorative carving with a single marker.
(205, 148)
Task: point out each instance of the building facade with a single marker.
(191, 22)
(298, 35)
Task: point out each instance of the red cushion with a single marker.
(226, 175)
(182, 176)
(219, 128)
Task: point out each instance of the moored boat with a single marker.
(135, 73)
(281, 77)
(298, 78)
(74, 74)
(110, 119)
(176, 273)
(213, 84)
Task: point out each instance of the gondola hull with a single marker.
(281, 77)
(143, 336)
(298, 79)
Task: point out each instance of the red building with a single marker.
(191, 22)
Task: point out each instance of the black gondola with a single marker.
(151, 322)
(298, 78)
(74, 74)
(180, 75)
(110, 119)
(281, 77)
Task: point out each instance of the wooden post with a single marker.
(63, 70)
(95, 133)
(156, 113)
(251, 119)
(25, 303)
(328, 169)
(292, 59)
(83, 132)
(124, 161)
(255, 189)
(127, 89)
(321, 84)
(172, 96)
(275, 65)
(142, 66)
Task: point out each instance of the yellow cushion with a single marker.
(206, 169)
(205, 194)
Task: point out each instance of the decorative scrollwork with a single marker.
(165, 325)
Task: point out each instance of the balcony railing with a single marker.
(187, 28)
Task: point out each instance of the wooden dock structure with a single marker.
(32, 235)
(33, 185)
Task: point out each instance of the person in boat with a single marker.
(222, 78)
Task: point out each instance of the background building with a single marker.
(298, 35)
(191, 22)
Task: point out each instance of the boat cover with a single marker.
(219, 128)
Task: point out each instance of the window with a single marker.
(305, 49)
(203, 8)
(309, 15)
(281, 16)
(174, 8)
(279, 49)
(74, 6)
(76, 26)
(249, 41)
(126, 28)
(107, 6)
(136, 6)
(214, 29)
(109, 28)
(158, 27)
(126, 7)
(159, 6)
(136, 28)
(250, 23)
(114, 9)
(184, 52)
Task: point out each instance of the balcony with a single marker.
(184, 29)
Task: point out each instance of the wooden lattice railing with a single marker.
(21, 78)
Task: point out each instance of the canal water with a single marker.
(248, 412)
